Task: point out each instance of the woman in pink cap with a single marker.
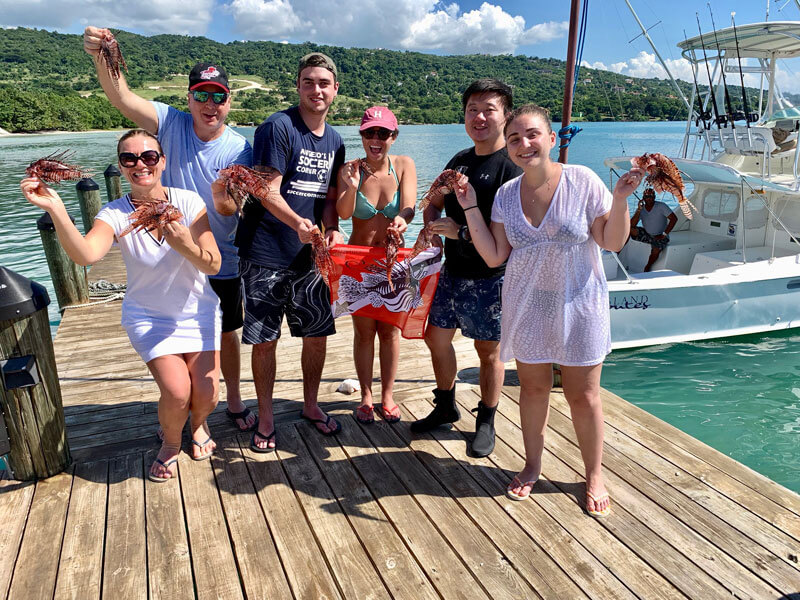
(377, 196)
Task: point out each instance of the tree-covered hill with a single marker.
(47, 74)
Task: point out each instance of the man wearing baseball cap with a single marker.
(303, 154)
(196, 145)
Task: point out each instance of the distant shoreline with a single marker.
(4, 133)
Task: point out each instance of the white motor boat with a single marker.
(735, 267)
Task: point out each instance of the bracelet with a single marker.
(470, 207)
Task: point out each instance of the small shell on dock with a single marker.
(348, 386)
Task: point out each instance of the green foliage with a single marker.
(46, 70)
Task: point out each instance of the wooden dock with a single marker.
(376, 512)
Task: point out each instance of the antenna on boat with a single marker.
(717, 118)
(701, 116)
(728, 106)
(747, 114)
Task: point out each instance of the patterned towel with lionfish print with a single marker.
(360, 286)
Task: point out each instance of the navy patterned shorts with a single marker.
(270, 293)
(642, 236)
(472, 305)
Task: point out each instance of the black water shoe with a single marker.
(483, 442)
(445, 411)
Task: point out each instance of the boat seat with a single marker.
(708, 262)
(748, 141)
(679, 253)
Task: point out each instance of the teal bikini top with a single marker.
(365, 210)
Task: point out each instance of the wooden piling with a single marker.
(69, 279)
(113, 184)
(89, 200)
(31, 404)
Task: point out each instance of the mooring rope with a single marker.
(105, 291)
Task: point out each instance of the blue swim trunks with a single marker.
(472, 305)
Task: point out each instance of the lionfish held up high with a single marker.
(112, 56)
(241, 181)
(322, 256)
(55, 168)
(664, 176)
(444, 184)
(151, 214)
(393, 243)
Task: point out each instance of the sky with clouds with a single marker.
(533, 28)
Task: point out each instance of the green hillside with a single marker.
(50, 84)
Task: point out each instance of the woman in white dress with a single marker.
(550, 224)
(170, 312)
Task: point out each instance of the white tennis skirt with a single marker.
(153, 337)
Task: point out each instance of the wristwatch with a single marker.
(464, 235)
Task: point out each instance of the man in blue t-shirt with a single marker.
(197, 144)
(303, 154)
(657, 221)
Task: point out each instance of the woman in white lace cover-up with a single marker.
(551, 223)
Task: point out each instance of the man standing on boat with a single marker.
(198, 144)
(657, 221)
(303, 153)
(468, 294)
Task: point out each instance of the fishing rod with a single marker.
(728, 104)
(703, 116)
(717, 117)
(747, 115)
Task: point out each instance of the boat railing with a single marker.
(621, 266)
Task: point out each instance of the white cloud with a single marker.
(410, 24)
(152, 16)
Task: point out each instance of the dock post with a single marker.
(69, 279)
(89, 200)
(30, 394)
(113, 185)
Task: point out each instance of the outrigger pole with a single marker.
(569, 80)
(728, 104)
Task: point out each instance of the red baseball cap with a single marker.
(378, 116)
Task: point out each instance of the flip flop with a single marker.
(365, 414)
(517, 483)
(391, 415)
(166, 465)
(598, 514)
(325, 422)
(201, 446)
(243, 416)
(267, 438)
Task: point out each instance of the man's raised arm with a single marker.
(135, 108)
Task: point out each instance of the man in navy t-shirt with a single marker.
(303, 154)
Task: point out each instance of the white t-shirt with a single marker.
(655, 221)
(555, 296)
(162, 285)
(193, 164)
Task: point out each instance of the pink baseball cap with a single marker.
(378, 116)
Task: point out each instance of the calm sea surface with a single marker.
(739, 395)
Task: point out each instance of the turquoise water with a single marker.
(739, 395)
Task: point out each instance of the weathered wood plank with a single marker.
(125, 565)
(259, 565)
(37, 564)
(403, 577)
(15, 502)
(355, 574)
(80, 568)
(305, 566)
(168, 560)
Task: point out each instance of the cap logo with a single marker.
(378, 114)
(209, 73)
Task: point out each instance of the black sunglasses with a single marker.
(217, 97)
(377, 132)
(149, 157)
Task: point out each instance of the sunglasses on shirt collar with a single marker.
(216, 97)
(149, 157)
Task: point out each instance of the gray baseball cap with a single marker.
(318, 59)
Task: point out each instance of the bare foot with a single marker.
(521, 486)
(598, 503)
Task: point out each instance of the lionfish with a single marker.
(393, 243)
(151, 214)
(322, 256)
(424, 241)
(663, 176)
(112, 56)
(444, 184)
(55, 168)
(241, 181)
